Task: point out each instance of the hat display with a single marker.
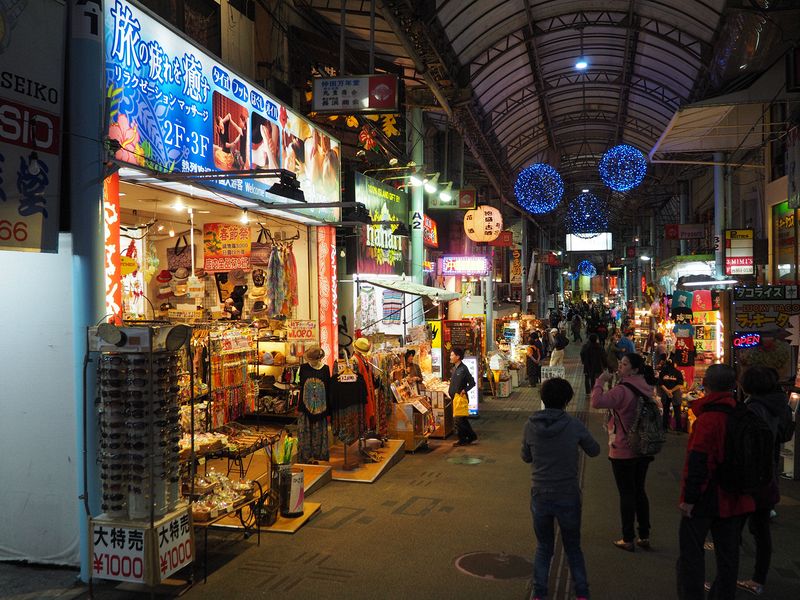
(259, 277)
(278, 358)
(200, 273)
(164, 292)
(181, 289)
(257, 293)
(259, 309)
(315, 353)
(164, 276)
(237, 277)
(363, 345)
(165, 306)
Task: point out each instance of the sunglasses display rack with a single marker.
(139, 430)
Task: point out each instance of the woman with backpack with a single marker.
(629, 467)
(765, 398)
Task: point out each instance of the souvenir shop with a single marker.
(212, 373)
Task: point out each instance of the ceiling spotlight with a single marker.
(160, 228)
(644, 257)
(430, 185)
(171, 232)
(581, 64)
(243, 219)
(446, 194)
(415, 180)
(585, 191)
(393, 161)
(178, 205)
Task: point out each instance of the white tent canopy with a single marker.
(416, 289)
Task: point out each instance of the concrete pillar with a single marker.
(417, 210)
(523, 306)
(683, 196)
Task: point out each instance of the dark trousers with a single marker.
(726, 534)
(588, 381)
(758, 524)
(630, 475)
(464, 430)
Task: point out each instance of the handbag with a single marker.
(180, 256)
(461, 405)
(260, 250)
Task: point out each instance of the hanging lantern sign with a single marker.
(483, 224)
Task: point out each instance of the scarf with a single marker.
(365, 370)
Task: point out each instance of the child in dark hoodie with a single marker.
(550, 443)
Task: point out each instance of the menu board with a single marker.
(461, 335)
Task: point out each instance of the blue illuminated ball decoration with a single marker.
(622, 168)
(587, 216)
(539, 188)
(586, 268)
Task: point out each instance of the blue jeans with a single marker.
(567, 510)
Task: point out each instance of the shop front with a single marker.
(220, 281)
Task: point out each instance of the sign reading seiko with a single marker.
(379, 250)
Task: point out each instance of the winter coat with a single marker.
(550, 443)
(705, 451)
(774, 409)
(593, 359)
(623, 405)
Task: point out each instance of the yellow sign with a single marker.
(739, 234)
(128, 265)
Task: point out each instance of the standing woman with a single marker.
(630, 469)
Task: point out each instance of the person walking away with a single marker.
(629, 468)
(625, 344)
(602, 331)
(559, 344)
(670, 391)
(537, 343)
(461, 380)
(706, 507)
(593, 360)
(532, 364)
(576, 328)
(551, 443)
(659, 348)
(767, 400)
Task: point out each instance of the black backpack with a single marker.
(748, 463)
(647, 435)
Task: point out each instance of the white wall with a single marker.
(38, 468)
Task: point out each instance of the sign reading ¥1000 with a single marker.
(173, 108)
(378, 250)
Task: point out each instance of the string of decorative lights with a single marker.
(587, 216)
(539, 188)
(586, 268)
(622, 168)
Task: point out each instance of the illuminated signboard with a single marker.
(355, 94)
(739, 252)
(174, 108)
(746, 340)
(430, 232)
(464, 265)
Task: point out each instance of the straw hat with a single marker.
(363, 345)
(181, 275)
(237, 277)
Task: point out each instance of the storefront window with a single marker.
(784, 239)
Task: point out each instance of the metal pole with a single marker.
(719, 213)
(86, 164)
(417, 211)
(371, 35)
(683, 194)
(489, 299)
(524, 280)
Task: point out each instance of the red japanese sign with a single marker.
(113, 273)
(430, 232)
(504, 240)
(227, 247)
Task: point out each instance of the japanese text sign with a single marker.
(355, 94)
(175, 547)
(464, 265)
(118, 553)
(227, 247)
(684, 231)
(430, 232)
(739, 252)
(173, 107)
(31, 104)
(302, 331)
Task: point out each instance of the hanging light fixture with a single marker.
(622, 168)
(430, 185)
(587, 216)
(446, 195)
(539, 188)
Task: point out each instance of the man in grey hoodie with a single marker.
(550, 443)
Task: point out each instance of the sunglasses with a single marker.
(124, 393)
(114, 507)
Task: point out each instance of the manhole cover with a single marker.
(464, 460)
(487, 565)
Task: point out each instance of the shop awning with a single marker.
(416, 289)
(728, 123)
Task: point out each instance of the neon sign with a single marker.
(746, 340)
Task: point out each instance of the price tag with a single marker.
(118, 553)
(302, 331)
(175, 548)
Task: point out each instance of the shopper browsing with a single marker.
(461, 380)
(630, 469)
(670, 390)
(766, 398)
(551, 443)
(704, 505)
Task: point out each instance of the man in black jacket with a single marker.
(461, 380)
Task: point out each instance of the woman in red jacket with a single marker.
(630, 469)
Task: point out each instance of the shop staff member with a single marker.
(461, 381)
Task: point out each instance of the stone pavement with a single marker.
(451, 522)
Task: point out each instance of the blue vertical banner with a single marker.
(31, 106)
(174, 108)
